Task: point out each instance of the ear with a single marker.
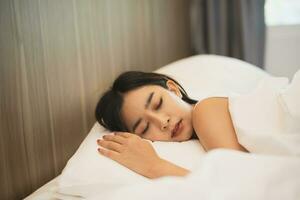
(173, 87)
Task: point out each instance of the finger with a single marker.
(116, 138)
(110, 154)
(123, 134)
(110, 145)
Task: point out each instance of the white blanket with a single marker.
(267, 120)
(223, 174)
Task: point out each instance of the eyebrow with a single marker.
(146, 106)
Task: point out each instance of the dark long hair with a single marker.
(109, 106)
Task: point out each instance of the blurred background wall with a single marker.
(282, 50)
(283, 37)
(56, 58)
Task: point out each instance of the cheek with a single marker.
(177, 105)
(175, 100)
(154, 134)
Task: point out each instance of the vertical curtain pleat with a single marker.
(232, 28)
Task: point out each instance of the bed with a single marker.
(218, 174)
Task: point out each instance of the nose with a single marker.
(165, 124)
(160, 120)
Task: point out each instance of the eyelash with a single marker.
(147, 127)
(159, 104)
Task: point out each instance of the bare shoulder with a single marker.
(208, 110)
(210, 106)
(213, 125)
(212, 101)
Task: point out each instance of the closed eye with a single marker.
(156, 108)
(145, 130)
(159, 104)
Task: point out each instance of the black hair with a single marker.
(109, 106)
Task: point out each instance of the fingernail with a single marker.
(98, 141)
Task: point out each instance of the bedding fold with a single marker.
(267, 120)
(223, 174)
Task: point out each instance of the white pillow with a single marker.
(201, 76)
(87, 167)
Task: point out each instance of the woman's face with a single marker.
(158, 114)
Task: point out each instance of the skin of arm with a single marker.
(166, 168)
(213, 125)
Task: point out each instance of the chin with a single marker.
(186, 137)
(190, 135)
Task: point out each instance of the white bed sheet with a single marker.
(49, 191)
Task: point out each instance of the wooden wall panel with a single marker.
(56, 58)
(14, 174)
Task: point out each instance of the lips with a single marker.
(176, 129)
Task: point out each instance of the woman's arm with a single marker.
(213, 125)
(137, 155)
(166, 168)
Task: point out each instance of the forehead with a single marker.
(143, 90)
(138, 97)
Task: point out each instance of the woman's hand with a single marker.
(131, 151)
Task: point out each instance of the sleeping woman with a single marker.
(142, 107)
